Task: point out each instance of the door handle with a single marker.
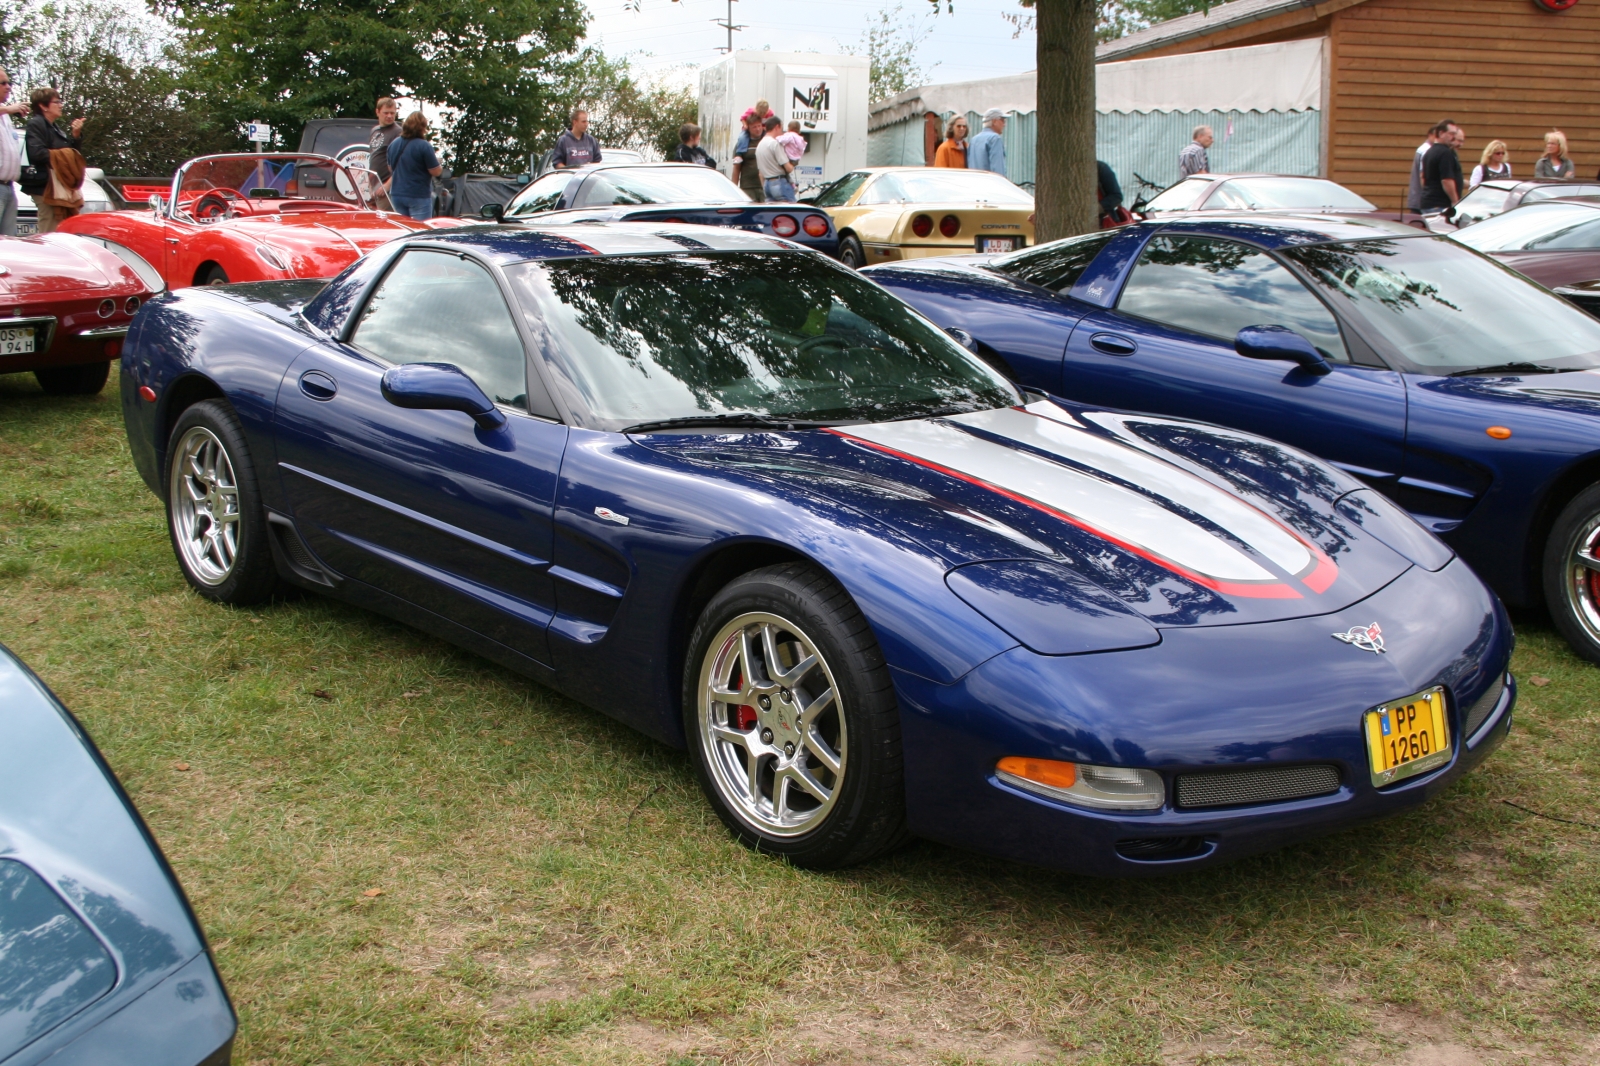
(172, 240)
(1112, 344)
(317, 385)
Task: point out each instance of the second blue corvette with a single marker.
(741, 499)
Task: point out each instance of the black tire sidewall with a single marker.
(1558, 549)
(83, 379)
(868, 818)
(254, 578)
(850, 248)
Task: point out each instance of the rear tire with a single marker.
(213, 275)
(1572, 573)
(215, 520)
(85, 379)
(851, 254)
(801, 760)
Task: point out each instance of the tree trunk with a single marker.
(1065, 178)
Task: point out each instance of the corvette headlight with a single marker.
(1109, 788)
(271, 257)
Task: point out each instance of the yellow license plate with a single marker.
(16, 340)
(1407, 737)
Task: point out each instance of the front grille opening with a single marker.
(1235, 788)
(1162, 849)
(1485, 706)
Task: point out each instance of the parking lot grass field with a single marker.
(404, 854)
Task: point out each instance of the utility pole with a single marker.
(728, 25)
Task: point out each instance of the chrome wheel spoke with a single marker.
(792, 676)
(1586, 557)
(804, 779)
(822, 752)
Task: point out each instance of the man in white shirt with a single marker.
(10, 157)
(773, 164)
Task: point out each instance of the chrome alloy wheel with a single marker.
(205, 506)
(1583, 577)
(772, 725)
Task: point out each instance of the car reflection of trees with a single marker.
(1349, 270)
(772, 333)
(1214, 257)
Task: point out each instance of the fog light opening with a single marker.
(1112, 788)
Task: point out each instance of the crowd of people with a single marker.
(985, 151)
(1437, 181)
(49, 166)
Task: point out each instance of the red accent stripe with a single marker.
(1274, 590)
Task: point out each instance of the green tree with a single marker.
(891, 42)
(497, 68)
(627, 110)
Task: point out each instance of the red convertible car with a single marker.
(65, 305)
(255, 217)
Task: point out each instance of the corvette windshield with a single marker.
(659, 185)
(1445, 309)
(272, 177)
(774, 335)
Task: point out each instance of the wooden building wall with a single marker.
(1505, 69)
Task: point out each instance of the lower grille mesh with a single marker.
(1234, 787)
(1485, 706)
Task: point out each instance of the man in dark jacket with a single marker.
(575, 147)
(689, 150)
(1108, 192)
(42, 137)
(387, 129)
(1441, 172)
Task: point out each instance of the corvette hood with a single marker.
(1186, 524)
(53, 263)
(1574, 391)
(305, 241)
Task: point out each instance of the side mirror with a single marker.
(1279, 342)
(158, 205)
(493, 212)
(963, 338)
(439, 387)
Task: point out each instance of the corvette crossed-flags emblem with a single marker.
(1367, 638)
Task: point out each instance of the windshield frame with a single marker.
(172, 211)
(529, 282)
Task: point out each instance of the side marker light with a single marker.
(1498, 432)
(147, 394)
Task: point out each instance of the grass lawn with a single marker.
(404, 854)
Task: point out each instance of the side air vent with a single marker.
(1233, 788)
(1162, 849)
(292, 551)
(1478, 712)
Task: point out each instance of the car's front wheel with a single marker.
(792, 720)
(851, 254)
(1572, 573)
(85, 379)
(214, 513)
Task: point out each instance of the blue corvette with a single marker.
(1463, 391)
(101, 960)
(736, 496)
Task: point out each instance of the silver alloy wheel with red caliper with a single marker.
(205, 506)
(772, 725)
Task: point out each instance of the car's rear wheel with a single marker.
(792, 721)
(213, 275)
(851, 254)
(1572, 573)
(214, 513)
(85, 379)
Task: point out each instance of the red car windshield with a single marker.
(212, 186)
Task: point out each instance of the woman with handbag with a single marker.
(44, 136)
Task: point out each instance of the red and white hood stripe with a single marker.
(1067, 470)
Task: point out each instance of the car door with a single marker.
(423, 504)
(1167, 347)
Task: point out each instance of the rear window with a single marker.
(1056, 266)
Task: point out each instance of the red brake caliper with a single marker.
(744, 717)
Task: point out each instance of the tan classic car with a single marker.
(889, 213)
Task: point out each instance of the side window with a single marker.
(542, 195)
(436, 307)
(838, 194)
(600, 192)
(886, 190)
(1056, 266)
(1217, 288)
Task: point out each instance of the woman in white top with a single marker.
(1555, 164)
(1492, 165)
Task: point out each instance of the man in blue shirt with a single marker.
(414, 165)
(988, 149)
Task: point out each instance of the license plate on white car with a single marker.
(27, 229)
(998, 244)
(16, 340)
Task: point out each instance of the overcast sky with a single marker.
(666, 37)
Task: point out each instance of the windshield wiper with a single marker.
(734, 419)
(1508, 368)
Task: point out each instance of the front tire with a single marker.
(851, 254)
(792, 721)
(85, 379)
(1572, 573)
(215, 519)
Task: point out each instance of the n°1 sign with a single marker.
(812, 101)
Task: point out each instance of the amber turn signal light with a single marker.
(815, 226)
(1044, 771)
(1498, 432)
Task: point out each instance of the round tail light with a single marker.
(949, 225)
(922, 225)
(130, 305)
(815, 226)
(107, 308)
(785, 226)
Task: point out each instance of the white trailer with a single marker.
(826, 94)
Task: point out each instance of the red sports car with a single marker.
(65, 305)
(255, 217)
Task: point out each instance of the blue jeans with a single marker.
(419, 208)
(780, 190)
